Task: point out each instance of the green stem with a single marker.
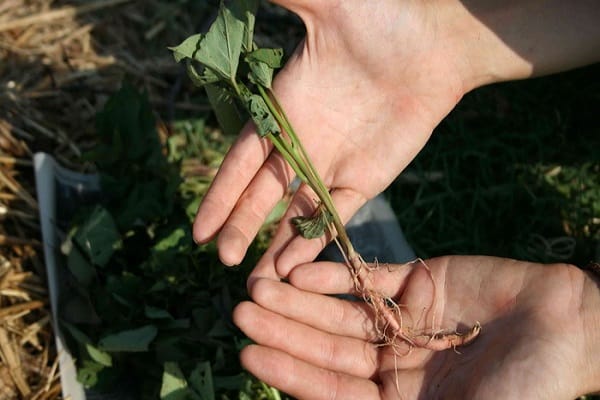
(296, 150)
(277, 140)
(283, 148)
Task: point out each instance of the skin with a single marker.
(539, 337)
(365, 97)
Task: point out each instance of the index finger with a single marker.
(239, 167)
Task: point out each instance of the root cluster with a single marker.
(389, 323)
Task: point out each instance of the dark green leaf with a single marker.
(169, 348)
(245, 10)
(219, 329)
(203, 318)
(98, 237)
(80, 267)
(127, 128)
(229, 382)
(135, 340)
(225, 109)
(312, 227)
(144, 202)
(101, 357)
(127, 288)
(201, 380)
(156, 313)
(264, 121)
(183, 323)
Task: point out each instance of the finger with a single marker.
(300, 250)
(329, 314)
(324, 350)
(334, 278)
(303, 380)
(254, 206)
(303, 203)
(239, 167)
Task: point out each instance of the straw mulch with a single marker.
(59, 61)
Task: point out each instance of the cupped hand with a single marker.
(364, 91)
(534, 343)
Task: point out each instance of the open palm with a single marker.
(363, 97)
(321, 347)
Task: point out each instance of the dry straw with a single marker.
(59, 61)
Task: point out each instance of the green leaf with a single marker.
(87, 373)
(219, 329)
(174, 386)
(313, 227)
(270, 57)
(187, 48)
(225, 110)
(261, 73)
(144, 202)
(98, 237)
(101, 357)
(221, 47)
(207, 76)
(201, 380)
(264, 121)
(156, 313)
(261, 63)
(127, 128)
(245, 10)
(203, 318)
(80, 267)
(78, 335)
(135, 340)
(229, 382)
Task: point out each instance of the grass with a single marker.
(518, 166)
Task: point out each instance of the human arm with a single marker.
(364, 91)
(540, 334)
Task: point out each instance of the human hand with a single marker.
(365, 90)
(363, 97)
(539, 339)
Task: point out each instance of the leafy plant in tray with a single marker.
(237, 75)
(145, 305)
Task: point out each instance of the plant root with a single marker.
(444, 340)
(389, 324)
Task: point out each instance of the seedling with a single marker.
(238, 74)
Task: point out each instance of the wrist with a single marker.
(507, 40)
(481, 56)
